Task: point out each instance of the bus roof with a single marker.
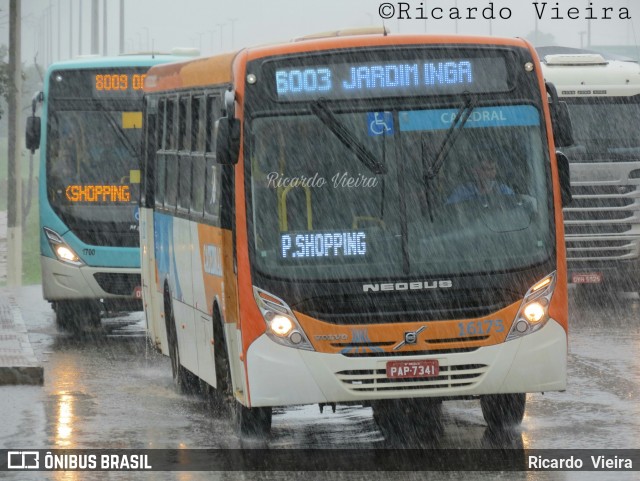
(198, 72)
(97, 61)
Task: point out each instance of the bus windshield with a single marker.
(88, 149)
(318, 212)
(604, 128)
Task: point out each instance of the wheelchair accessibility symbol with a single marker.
(380, 123)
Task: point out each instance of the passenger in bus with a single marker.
(483, 169)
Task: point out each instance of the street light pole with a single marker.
(232, 21)
(14, 188)
(221, 26)
(95, 27)
(104, 27)
(121, 33)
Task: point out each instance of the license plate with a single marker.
(412, 369)
(137, 292)
(587, 278)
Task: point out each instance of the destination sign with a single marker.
(309, 245)
(110, 82)
(98, 193)
(104, 83)
(392, 78)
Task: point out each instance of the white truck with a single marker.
(602, 224)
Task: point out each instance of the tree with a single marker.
(4, 78)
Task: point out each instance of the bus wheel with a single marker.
(185, 381)
(223, 392)
(252, 421)
(416, 419)
(503, 410)
(74, 315)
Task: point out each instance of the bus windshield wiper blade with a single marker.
(126, 141)
(451, 136)
(350, 141)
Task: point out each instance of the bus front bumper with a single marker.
(62, 281)
(280, 376)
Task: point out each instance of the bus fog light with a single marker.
(534, 312)
(281, 325)
(522, 326)
(296, 338)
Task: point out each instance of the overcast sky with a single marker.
(215, 25)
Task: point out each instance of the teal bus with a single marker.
(89, 133)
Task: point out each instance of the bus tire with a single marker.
(503, 410)
(73, 315)
(252, 421)
(223, 392)
(185, 381)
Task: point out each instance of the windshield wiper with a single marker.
(431, 171)
(451, 136)
(350, 141)
(126, 141)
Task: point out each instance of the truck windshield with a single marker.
(604, 128)
(316, 211)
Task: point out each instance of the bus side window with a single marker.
(198, 166)
(214, 112)
(169, 128)
(183, 139)
(184, 158)
(171, 192)
(214, 174)
(149, 155)
(159, 155)
(198, 124)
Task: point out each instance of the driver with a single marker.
(483, 170)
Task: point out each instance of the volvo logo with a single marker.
(410, 337)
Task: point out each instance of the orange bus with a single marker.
(357, 217)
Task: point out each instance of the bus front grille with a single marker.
(375, 380)
(116, 283)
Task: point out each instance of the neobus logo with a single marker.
(407, 286)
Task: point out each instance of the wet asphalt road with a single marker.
(108, 389)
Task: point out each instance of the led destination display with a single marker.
(393, 78)
(310, 245)
(113, 84)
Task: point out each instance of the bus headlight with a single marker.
(61, 249)
(534, 310)
(282, 325)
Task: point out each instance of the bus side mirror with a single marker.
(32, 136)
(565, 178)
(227, 135)
(561, 124)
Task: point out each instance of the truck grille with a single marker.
(604, 211)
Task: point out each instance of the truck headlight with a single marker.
(534, 310)
(282, 325)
